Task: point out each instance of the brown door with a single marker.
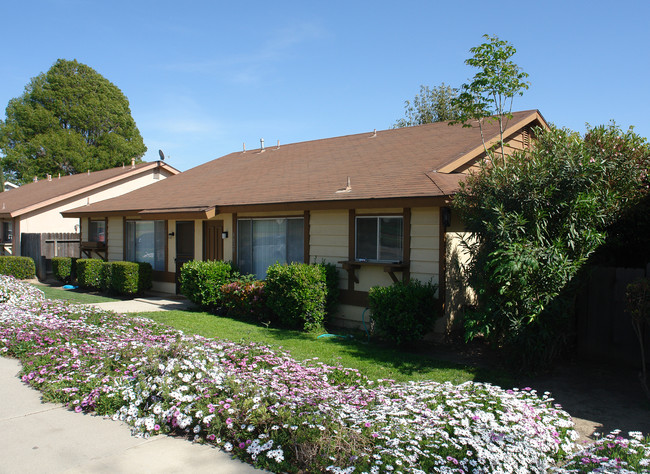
(184, 246)
(212, 241)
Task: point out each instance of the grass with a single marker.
(374, 360)
(73, 296)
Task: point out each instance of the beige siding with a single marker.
(115, 239)
(458, 295)
(425, 243)
(328, 239)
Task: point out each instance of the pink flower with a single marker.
(156, 427)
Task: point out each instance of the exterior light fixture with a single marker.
(224, 234)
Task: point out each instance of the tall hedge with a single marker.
(130, 278)
(89, 273)
(404, 312)
(62, 268)
(297, 294)
(201, 281)
(22, 268)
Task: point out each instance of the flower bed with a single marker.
(265, 407)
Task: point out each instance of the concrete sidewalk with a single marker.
(40, 437)
(147, 304)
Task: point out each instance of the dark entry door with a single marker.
(184, 246)
(212, 241)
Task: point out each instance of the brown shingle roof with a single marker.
(35, 195)
(394, 163)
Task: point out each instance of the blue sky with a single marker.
(203, 77)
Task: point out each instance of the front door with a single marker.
(184, 246)
(212, 241)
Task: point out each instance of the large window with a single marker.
(7, 231)
(379, 239)
(97, 231)
(263, 242)
(145, 242)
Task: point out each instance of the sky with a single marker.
(205, 77)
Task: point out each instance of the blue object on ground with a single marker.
(334, 335)
(70, 287)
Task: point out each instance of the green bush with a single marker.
(62, 268)
(244, 298)
(106, 276)
(404, 312)
(130, 278)
(201, 282)
(296, 294)
(89, 273)
(22, 268)
(331, 275)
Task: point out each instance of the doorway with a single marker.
(212, 240)
(184, 247)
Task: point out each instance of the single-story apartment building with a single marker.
(376, 204)
(36, 207)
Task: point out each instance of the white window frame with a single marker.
(378, 258)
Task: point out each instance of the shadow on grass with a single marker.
(374, 359)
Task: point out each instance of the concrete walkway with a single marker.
(40, 437)
(147, 304)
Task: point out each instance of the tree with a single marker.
(431, 105)
(535, 219)
(69, 120)
(491, 93)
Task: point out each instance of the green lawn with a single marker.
(73, 296)
(375, 361)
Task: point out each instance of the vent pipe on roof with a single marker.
(374, 133)
(244, 147)
(132, 162)
(261, 144)
(49, 177)
(88, 172)
(278, 147)
(59, 175)
(35, 179)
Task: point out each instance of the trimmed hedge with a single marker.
(404, 312)
(130, 278)
(22, 268)
(89, 273)
(201, 282)
(62, 268)
(331, 275)
(297, 294)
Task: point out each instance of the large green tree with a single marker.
(430, 105)
(69, 120)
(535, 219)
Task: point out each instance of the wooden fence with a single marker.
(42, 247)
(604, 328)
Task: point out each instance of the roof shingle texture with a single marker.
(35, 193)
(389, 164)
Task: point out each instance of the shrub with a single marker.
(89, 273)
(244, 298)
(331, 275)
(535, 219)
(106, 275)
(130, 278)
(62, 268)
(296, 294)
(22, 268)
(201, 281)
(404, 312)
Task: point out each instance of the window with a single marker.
(145, 242)
(379, 239)
(97, 231)
(263, 242)
(7, 231)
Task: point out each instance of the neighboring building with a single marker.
(9, 186)
(36, 207)
(375, 204)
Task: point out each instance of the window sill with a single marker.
(351, 265)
